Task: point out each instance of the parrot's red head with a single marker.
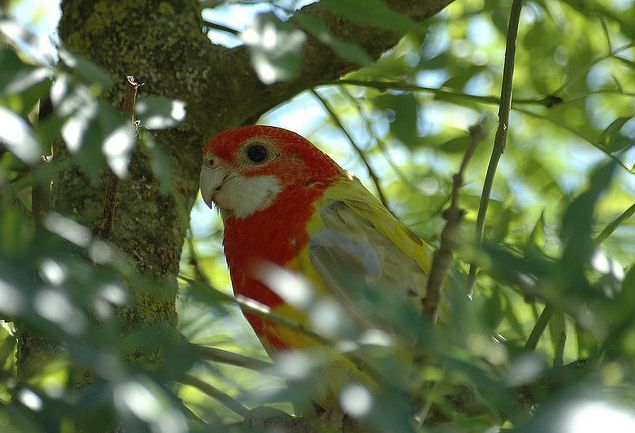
(245, 169)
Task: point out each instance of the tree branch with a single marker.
(450, 237)
(500, 141)
(104, 227)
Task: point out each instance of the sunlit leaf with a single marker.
(18, 136)
(375, 13)
(275, 48)
(87, 69)
(158, 112)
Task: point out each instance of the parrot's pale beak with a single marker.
(211, 181)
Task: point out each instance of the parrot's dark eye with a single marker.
(210, 162)
(257, 152)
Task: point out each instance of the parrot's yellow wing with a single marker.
(362, 255)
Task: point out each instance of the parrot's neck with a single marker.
(272, 235)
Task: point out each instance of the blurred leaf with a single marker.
(456, 144)
(402, 111)
(611, 139)
(87, 69)
(374, 13)
(24, 103)
(346, 50)
(577, 227)
(275, 47)
(160, 162)
(15, 75)
(18, 136)
(158, 112)
(536, 241)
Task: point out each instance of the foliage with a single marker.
(545, 343)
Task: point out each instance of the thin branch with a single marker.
(450, 237)
(609, 229)
(594, 62)
(221, 27)
(218, 395)
(360, 152)
(500, 140)
(231, 358)
(104, 227)
(41, 190)
(545, 101)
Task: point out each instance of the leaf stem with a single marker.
(609, 229)
(500, 140)
(539, 328)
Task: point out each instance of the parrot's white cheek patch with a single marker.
(243, 196)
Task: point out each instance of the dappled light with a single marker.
(356, 400)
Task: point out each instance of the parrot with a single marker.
(288, 207)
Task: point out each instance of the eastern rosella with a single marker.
(286, 203)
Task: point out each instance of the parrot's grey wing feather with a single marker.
(362, 267)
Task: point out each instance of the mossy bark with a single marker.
(161, 43)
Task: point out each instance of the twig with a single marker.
(453, 215)
(104, 227)
(609, 229)
(222, 28)
(229, 402)
(231, 358)
(500, 140)
(41, 190)
(546, 101)
(360, 152)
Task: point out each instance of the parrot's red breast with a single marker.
(278, 232)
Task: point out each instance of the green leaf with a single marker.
(85, 68)
(536, 241)
(346, 50)
(577, 228)
(373, 13)
(275, 47)
(456, 144)
(18, 136)
(158, 112)
(611, 138)
(402, 111)
(160, 163)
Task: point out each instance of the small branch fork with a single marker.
(450, 237)
(104, 226)
(500, 141)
